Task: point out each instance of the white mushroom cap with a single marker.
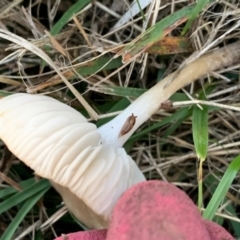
(59, 144)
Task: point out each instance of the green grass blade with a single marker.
(201, 4)
(27, 206)
(200, 131)
(171, 129)
(134, 92)
(182, 113)
(121, 91)
(141, 11)
(102, 63)
(222, 188)
(10, 190)
(89, 68)
(200, 139)
(5, 93)
(160, 30)
(122, 104)
(155, 33)
(66, 17)
(235, 225)
(38, 235)
(24, 195)
(211, 183)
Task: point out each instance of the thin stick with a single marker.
(29, 46)
(223, 106)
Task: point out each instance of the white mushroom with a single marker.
(59, 144)
(88, 166)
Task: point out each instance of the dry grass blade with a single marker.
(57, 45)
(82, 31)
(55, 217)
(80, 70)
(9, 7)
(133, 10)
(10, 181)
(29, 46)
(30, 229)
(9, 81)
(207, 103)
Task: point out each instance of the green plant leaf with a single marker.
(235, 225)
(5, 93)
(177, 123)
(155, 33)
(121, 91)
(66, 17)
(182, 113)
(122, 104)
(222, 188)
(200, 131)
(201, 4)
(102, 63)
(89, 68)
(24, 195)
(200, 139)
(27, 206)
(134, 92)
(10, 190)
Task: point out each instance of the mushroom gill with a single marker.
(59, 144)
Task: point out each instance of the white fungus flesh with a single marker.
(58, 143)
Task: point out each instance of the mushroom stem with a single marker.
(149, 102)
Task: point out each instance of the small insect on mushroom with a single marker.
(128, 125)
